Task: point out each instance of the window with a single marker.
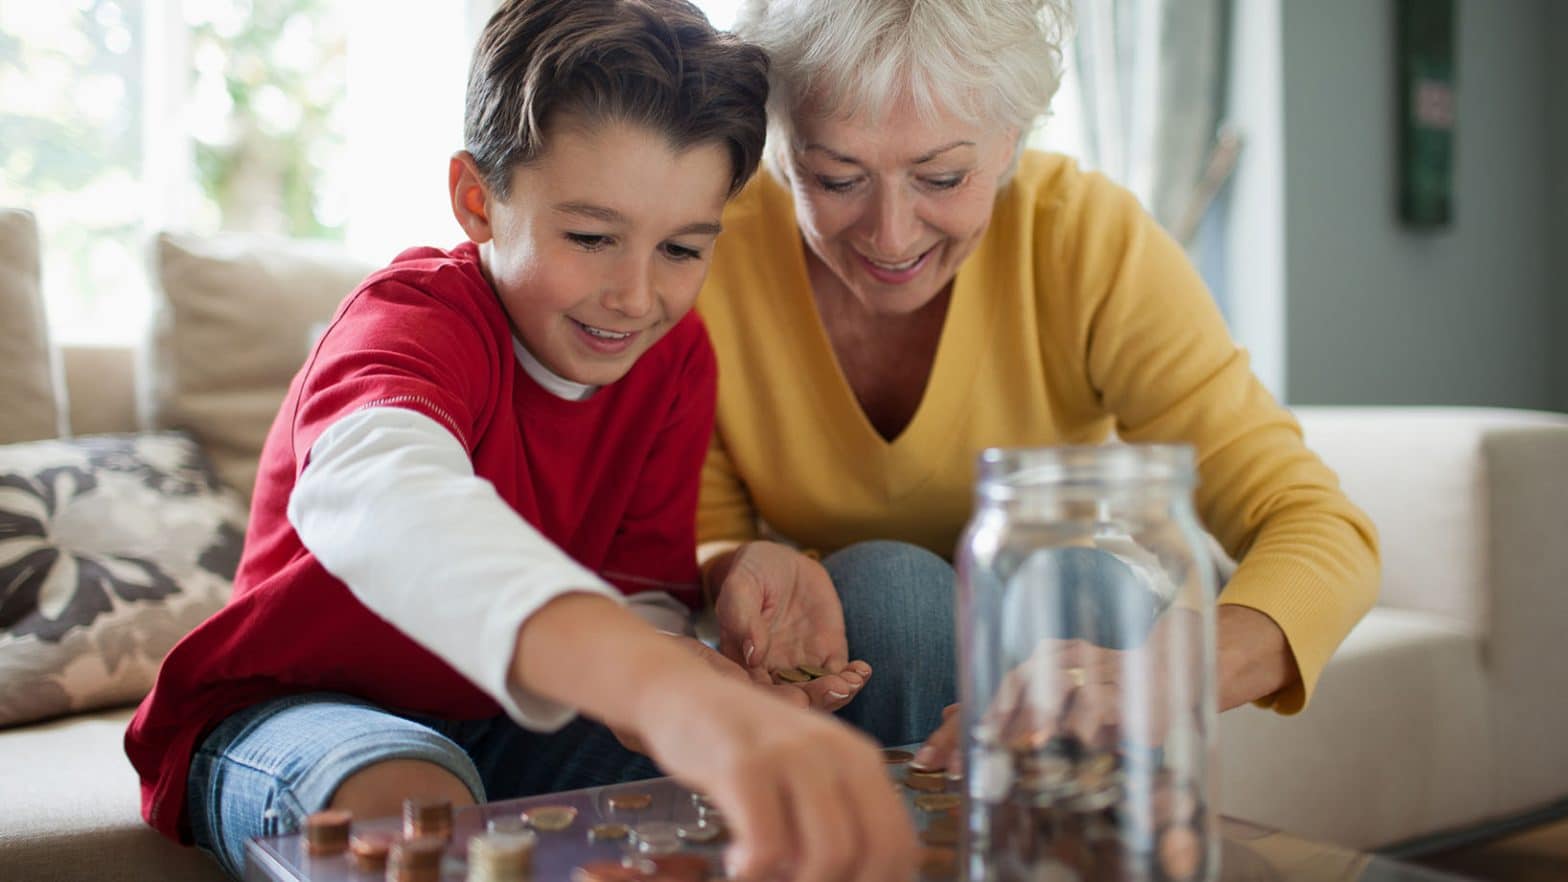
(304, 118)
(300, 118)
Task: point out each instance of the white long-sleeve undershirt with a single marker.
(389, 503)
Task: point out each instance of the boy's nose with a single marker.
(632, 293)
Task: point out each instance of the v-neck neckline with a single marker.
(933, 419)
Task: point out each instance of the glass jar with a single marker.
(1086, 668)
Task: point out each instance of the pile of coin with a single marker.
(662, 868)
(416, 860)
(501, 857)
(370, 850)
(427, 817)
(327, 832)
(1105, 816)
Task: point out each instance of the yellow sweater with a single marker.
(1074, 315)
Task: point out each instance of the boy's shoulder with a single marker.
(453, 275)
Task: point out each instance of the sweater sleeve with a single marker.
(1161, 362)
(390, 505)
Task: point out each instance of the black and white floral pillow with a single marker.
(112, 547)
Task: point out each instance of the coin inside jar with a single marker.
(550, 818)
(327, 832)
(1180, 852)
(939, 861)
(937, 802)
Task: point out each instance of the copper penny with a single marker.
(896, 757)
(937, 802)
(630, 801)
(939, 861)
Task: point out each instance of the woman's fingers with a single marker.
(941, 749)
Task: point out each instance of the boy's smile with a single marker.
(601, 245)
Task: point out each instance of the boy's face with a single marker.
(602, 245)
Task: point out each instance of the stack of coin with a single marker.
(416, 860)
(370, 850)
(427, 817)
(501, 857)
(327, 832)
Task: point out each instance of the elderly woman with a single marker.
(905, 285)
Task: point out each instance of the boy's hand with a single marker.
(807, 798)
(778, 610)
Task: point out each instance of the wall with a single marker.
(1374, 313)
(1558, 291)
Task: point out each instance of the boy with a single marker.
(483, 447)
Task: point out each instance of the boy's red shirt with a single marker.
(612, 481)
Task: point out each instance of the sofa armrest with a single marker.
(1430, 479)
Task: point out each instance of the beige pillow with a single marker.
(114, 547)
(237, 317)
(28, 410)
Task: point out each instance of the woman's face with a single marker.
(891, 205)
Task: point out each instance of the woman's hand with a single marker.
(806, 797)
(777, 610)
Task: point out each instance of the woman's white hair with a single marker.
(992, 62)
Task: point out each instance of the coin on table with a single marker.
(608, 832)
(937, 802)
(814, 672)
(939, 862)
(657, 837)
(550, 818)
(608, 871)
(701, 832)
(680, 868)
(370, 849)
(896, 757)
(793, 675)
(630, 801)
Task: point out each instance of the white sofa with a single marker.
(1440, 713)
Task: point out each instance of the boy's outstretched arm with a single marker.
(807, 797)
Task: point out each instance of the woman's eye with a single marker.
(835, 185)
(945, 183)
(588, 241)
(681, 252)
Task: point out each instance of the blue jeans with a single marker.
(899, 604)
(263, 769)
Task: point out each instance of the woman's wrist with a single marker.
(1254, 657)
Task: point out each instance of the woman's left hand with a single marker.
(777, 610)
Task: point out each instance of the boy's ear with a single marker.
(470, 196)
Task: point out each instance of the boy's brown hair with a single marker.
(658, 63)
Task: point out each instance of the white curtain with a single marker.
(1149, 77)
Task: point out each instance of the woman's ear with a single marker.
(470, 197)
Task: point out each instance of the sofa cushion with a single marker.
(236, 318)
(111, 549)
(72, 809)
(1395, 744)
(27, 395)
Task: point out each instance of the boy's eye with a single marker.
(681, 252)
(835, 185)
(588, 241)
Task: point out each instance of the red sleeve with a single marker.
(655, 547)
(397, 345)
